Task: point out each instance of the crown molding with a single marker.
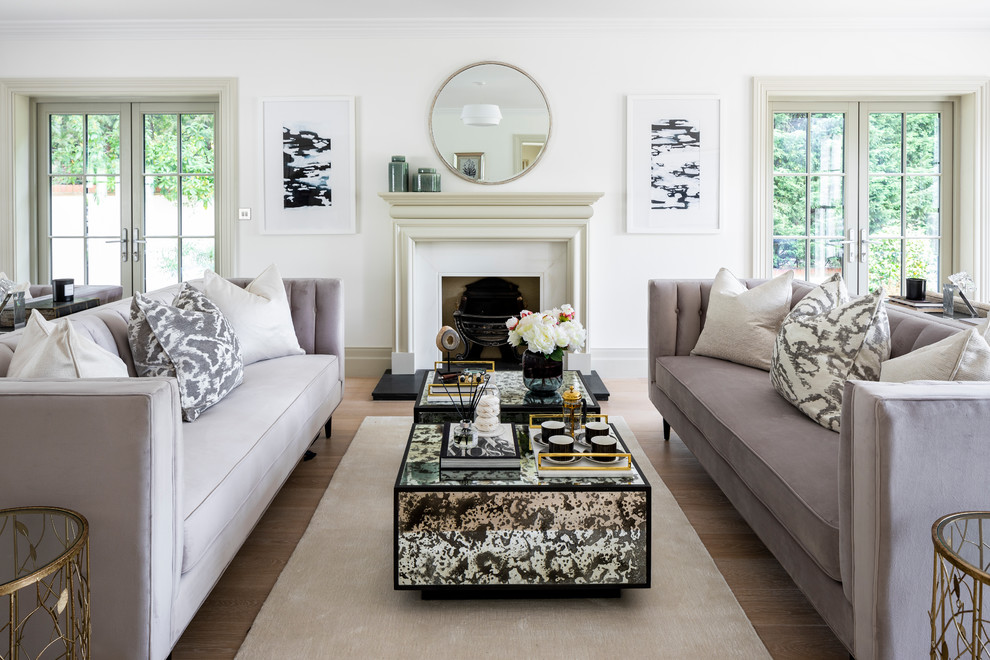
(451, 28)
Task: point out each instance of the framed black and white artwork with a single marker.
(309, 165)
(470, 165)
(672, 171)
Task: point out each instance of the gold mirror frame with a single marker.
(433, 139)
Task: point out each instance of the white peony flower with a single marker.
(548, 331)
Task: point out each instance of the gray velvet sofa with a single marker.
(168, 503)
(848, 514)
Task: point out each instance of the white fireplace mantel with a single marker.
(491, 217)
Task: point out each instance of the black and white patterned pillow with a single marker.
(825, 340)
(189, 340)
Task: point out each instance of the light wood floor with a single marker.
(783, 618)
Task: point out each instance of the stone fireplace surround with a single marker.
(481, 234)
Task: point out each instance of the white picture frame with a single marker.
(308, 156)
(673, 169)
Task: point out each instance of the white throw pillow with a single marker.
(259, 314)
(963, 356)
(826, 340)
(741, 324)
(57, 350)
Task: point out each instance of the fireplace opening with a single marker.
(479, 307)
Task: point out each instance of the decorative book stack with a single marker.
(495, 452)
(928, 306)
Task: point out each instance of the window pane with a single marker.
(68, 259)
(104, 261)
(66, 206)
(789, 205)
(197, 256)
(826, 260)
(885, 142)
(161, 263)
(102, 206)
(790, 142)
(921, 260)
(922, 205)
(197, 143)
(789, 254)
(826, 142)
(885, 206)
(885, 265)
(161, 213)
(161, 143)
(66, 136)
(826, 205)
(103, 144)
(922, 130)
(197, 206)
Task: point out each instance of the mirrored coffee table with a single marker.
(470, 532)
(517, 402)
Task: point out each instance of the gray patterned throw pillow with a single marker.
(189, 340)
(825, 340)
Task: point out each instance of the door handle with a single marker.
(852, 242)
(863, 242)
(138, 242)
(123, 244)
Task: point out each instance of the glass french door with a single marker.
(128, 193)
(863, 189)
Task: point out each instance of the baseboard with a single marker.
(619, 362)
(367, 361)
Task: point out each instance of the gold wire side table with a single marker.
(962, 555)
(44, 584)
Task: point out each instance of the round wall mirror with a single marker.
(490, 122)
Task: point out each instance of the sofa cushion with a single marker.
(741, 324)
(58, 350)
(789, 462)
(963, 356)
(826, 340)
(259, 313)
(228, 452)
(189, 340)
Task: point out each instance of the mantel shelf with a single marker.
(549, 206)
(492, 199)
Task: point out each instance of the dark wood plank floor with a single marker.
(781, 615)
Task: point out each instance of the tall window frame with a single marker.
(850, 181)
(17, 178)
(970, 96)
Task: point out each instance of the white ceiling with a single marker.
(103, 10)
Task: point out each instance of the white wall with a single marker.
(586, 80)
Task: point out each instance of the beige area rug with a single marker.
(335, 597)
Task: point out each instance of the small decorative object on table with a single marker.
(468, 388)
(486, 415)
(17, 316)
(448, 341)
(961, 283)
(547, 336)
(573, 412)
(915, 288)
(63, 290)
